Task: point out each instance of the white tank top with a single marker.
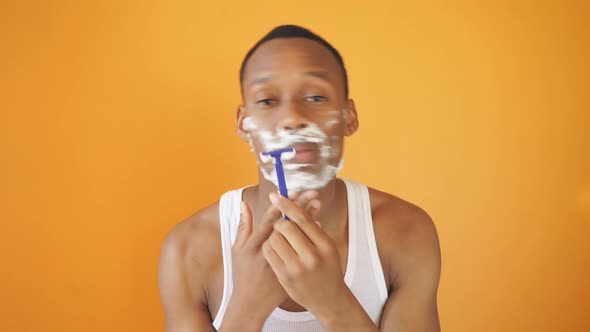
(364, 275)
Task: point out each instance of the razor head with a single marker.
(280, 154)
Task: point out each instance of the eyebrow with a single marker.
(318, 74)
(259, 80)
(266, 77)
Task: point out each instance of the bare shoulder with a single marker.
(405, 235)
(194, 236)
(395, 215)
(190, 250)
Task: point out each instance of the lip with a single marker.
(306, 153)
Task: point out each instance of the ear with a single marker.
(350, 118)
(240, 116)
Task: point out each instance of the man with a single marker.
(348, 258)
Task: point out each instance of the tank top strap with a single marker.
(360, 205)
(229, 219)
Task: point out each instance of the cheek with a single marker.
(335, 143)
(330, 124)
(254, 125)
(334, 128)
(255, 132)
(334, 122)
(262, 139)
(249, 124)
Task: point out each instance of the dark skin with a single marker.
(298, 265)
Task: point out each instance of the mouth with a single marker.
(305, 153)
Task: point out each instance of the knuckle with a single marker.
(333, 247)
(297, 272)
(334, 253)
(246, 250)
(314, 262)
(239, 251)
(328, 245)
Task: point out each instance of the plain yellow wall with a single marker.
(117, 123)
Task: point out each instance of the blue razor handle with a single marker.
(281, 176)
(279, 169)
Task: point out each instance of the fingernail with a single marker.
(274, 198)
(318, 223)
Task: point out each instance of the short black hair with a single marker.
(294, 31)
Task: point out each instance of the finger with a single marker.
(245, 226)
(264, 227)
(297, 215)
(274, 260)
(291, 209)
(298, 243)
(282, 247)
(303, 198)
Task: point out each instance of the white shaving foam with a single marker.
(248, 124)
(332, 123)
(295, 178)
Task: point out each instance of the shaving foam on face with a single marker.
(298, 180)
(296, 177)
(337, 115)
(249, 125)
(332, 123)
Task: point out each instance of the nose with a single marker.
(292, 118)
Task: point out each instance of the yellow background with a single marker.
(118, 122)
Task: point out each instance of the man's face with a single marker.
(293, 91)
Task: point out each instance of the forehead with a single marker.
(291, 55)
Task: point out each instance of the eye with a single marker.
(315, 99)
(265, 102)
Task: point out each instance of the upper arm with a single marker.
(412, 303)
(182, 312)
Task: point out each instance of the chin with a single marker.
(301, 181)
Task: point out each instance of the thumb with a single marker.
(245, 226)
